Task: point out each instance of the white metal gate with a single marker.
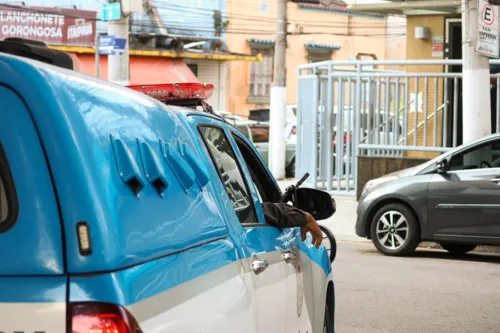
(348, 109)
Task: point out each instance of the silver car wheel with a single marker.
(392, 230)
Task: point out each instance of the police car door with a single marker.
(32, 274)
(261, 244)
(299, 310)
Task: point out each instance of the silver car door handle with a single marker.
(495, 180)
(289, 256)
(259, 265)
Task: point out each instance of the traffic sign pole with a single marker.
(118, 65)
(476, 110)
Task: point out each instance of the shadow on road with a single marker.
(424, 253)
(472, 256)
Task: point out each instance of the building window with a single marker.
(261, 75)
(318, 56)
(366, 57)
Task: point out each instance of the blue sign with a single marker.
(119, 47)
(111, 11)
(110, 45)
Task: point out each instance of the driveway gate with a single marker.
(348, 109)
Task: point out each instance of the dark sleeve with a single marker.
(281, 215)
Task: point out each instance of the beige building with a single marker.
(441, 22)
(316, 33)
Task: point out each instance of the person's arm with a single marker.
(281, 215)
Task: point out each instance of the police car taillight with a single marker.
(101, 318)
(176, 91)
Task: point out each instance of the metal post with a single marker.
(349, 133)
(455, 111)
(278, 97)
(97, 53)
(119, 65)
(329, 128)
(416, 113)
(498, 105)
(436, 114)
(476, 111)
(356, 125)
(395, 130)
(426, 109)
(406, 113)
(444, 124)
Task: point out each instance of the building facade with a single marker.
(315, 33)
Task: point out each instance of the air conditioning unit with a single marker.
(422, 33)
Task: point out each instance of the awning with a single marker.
(160, 71)
(142, 70)
(221, 56)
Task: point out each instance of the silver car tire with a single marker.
(395, 230)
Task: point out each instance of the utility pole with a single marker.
(119, 65)
(277, 119)
(476, 110)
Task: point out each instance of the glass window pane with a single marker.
(226, 163)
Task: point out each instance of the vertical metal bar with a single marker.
(377, 115)
(445, 114)
(340, 138)
(416, 112)
(315, 105)
(387, 110)
(368, 111)
(349, 134)
(405, 112)
(455, 111)
(436, 114)
(339, 135)
(329, 128)
(395, 129)
(97, 53)
(298, 147)
(498, 105)
(426, 109)
(356, 127)
(323, 143)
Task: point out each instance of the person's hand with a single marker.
(313, 227)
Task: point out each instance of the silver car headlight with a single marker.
(377, 181)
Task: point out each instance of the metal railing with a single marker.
(346, 110)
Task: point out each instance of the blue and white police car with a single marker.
(127, 213)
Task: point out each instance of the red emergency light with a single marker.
(176, 91)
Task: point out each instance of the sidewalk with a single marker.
(342, 223)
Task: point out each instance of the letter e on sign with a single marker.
(488, 15)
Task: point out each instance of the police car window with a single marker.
(8, 197)
(227, 165)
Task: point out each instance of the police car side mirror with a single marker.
(317, 203)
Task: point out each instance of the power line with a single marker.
(234, 31)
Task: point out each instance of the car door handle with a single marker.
(259, 265)
(289, 256)
(495, 180)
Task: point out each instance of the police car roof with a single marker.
(81, 121)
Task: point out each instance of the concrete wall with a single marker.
(374, 167)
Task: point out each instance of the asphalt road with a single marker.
(429, 292)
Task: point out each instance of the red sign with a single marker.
(54, 26)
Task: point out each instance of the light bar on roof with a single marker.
(176, 91)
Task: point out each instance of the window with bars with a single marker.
(318, 56)
(261, 76)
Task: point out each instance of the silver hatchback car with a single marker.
(453, 200)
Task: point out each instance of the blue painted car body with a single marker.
(76, 146)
